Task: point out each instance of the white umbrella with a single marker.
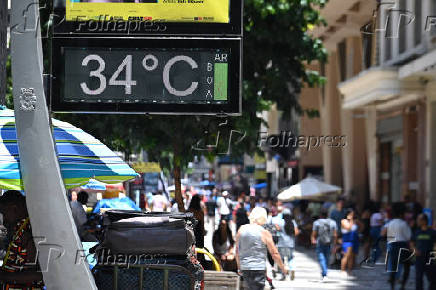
(309, 188)
(173, 188)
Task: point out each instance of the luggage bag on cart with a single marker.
(130, 232)
(162, 241)
(149, 235)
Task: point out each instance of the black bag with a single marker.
(274, 232)
(138, 233)
(211, 206)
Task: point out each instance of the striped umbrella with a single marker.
(81, 156)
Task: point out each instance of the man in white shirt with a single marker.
(159, 202)
(223, 204)
(398, 235)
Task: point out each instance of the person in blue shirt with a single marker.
(288, 229)
(423, 243)
(338, 213)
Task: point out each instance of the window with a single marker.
(418, 20)
(342, 54)
(388, 36)
(367, 44)
(403, 27)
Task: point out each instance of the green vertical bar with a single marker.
(115, 278)
(166, 277)
(141, 277)
(220, 83)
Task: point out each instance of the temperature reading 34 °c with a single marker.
(150, 76)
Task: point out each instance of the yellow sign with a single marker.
(259, 159)
(260, 174)
(212, 11)
(146, 167)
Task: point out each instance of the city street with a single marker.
(136, 136)
(307, 276)
(307, 273)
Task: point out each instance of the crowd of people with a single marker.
(249, 232)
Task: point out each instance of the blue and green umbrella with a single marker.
(81, 156)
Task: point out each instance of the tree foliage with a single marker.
(277, 44)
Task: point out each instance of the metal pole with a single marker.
(3, 49)
(55, 235)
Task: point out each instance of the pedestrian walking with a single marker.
(224, 206)
(211, 207)
(324, 233)
(223, 243)
(365, 231)
(423, 243)
(338, 212)
(398, 235)
(288, 230)
(240, 215)
(376, 224)
(197, 209)
(350, 241)
(159, 202)
(252, 244)
(78, 212)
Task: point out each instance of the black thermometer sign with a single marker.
(150, 76)
(156, 76)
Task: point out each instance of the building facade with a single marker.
(380, 94)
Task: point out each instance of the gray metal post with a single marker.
(53, 227)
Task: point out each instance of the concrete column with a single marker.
(359, 163)
(371, 146)
(354, 156)
(422, 141)
(331, 122)
(430, 200)
(347, 151)
(353, 126)
(410, 154)
(310, 98)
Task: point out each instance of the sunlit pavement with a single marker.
(308, 274)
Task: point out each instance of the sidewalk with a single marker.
(307, 276)
(308, 273)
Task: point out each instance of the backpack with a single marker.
(274, 232)
(229, 204)
(324, 232)
(241, 216)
